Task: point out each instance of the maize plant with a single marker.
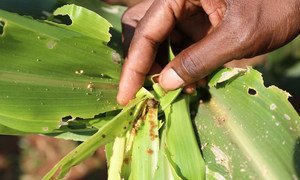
(61, 81)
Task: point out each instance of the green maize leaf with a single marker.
(119, 153)
(108, 152)
(182, 148)
(49, 71)
(107, 133)
(168, 98)
(126, 168)
(164, 169)
(126, 152)
(116, 160)
(165, 98)
(159, 91)
(81, 129)
(111, 13)
(248, 131)
(211, 175)
(145, 146)
(78, 135)
(226, 74)
(79, 21)
(11, 131)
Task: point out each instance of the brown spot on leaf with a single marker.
(127, 160)
(133, 131)
(149, 151)
(153, 125)
(221, 120)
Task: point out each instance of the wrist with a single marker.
(291, 19)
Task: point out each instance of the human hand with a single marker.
(205, 33)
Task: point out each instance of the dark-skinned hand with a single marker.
(204, 34)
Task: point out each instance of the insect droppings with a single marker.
(151, 103)
(149, 151)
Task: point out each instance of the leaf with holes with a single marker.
(248, 131)
(110, 13)
(107, 133)
(49, 71)
(61, 80)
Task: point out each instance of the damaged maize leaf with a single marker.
(146, 144)
(107, 133)
(61, 80)
(149, 158)
(248, 131)
(116, 160)
(49, 71)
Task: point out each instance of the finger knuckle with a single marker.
(193, 65)
(129, 17)
(126, 16)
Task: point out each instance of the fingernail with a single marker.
(170, 80)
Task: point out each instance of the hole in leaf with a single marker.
(66, 118)
(62, 19)
(76, 125)
(252, 91)
(2, 24)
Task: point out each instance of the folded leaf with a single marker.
(106, 134)
(145, 146)
(182, 148)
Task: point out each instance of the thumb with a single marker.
(200, 59)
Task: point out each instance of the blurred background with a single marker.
(32, 156)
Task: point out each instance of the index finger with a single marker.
(152, 30)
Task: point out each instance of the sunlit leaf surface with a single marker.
(247, 130)
(181, 144)
(49, 71)
(107, 133)
(61, 80)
